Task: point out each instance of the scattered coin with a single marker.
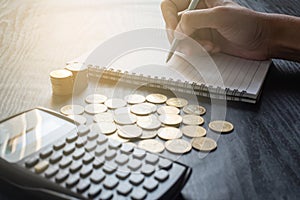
(221, 126)
(193, 131)
(115, 103)
(104, 127)
(178, 146)
(148, 122)
(148, 134)
(152, 106)
(170, 119)
(104, 117)
(129, 131)
(151, 145)
(168, 110)
(135, 99)
(125, 118)
(169, 133)
(78, 119)
(156, 98)
(123, 110)
(194, 109)
(204, 144)
(130, 144)
(95, 98)
(192, 120)
(95, 108)
(115, 136)
(177, 102)
(72, 110)
(141, 109)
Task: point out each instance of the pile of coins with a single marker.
(154, 122)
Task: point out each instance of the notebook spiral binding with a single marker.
(169, 84)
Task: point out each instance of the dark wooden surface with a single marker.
(259, 160)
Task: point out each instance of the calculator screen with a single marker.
(27, 133)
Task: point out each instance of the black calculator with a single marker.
(48, 154)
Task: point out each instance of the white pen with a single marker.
(192, 6)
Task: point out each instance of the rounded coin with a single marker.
(156, 98)
(177, 102)
(116, 137)
(78, 119)
(135, 98)
(151, 145)
(192, 120)
(152, 106)
(129, 131)
(194, 109)
(96, 98)
(104, 127)
(178, 146)
(221, 126)
(72, 110)
(125, 118)
(168, 110)
(204, 144)
(141, 109)
(123, 110)
(148, 122)
(104, 117)
(95, 108)
(60, 74)
(169, 133)
(148, 134)
(170, 119)
(115, 103)
(193, 131)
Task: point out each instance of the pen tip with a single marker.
(169, 57)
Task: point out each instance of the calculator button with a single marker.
(65, 162)
(139, 154)
(136, 179)
(87, 158)
(51, 171)
(150, 184)
(72, 181)
(164, 163)
(134, 164)
(97, 176)
(100, 150)
(55, 157)
(75, 167)
(109, 168)
(31, 162)
(72, 138)
(121, 159)
(101, 139)
(81, 142)
(110, 154)
(58, 145)
(126, 148)
(85, 171)
(82, 130)
(98, 162)
(114, 144)
(78, 154)
(83, 186)
(46, 153)
(90, 146)
(111, 182)
(68, 149)
(106, 195)
(92, 136)
(151, 158)
(147, 169)
(61, 176)
(122, 174)
(161, 175)
(94, 191)
(138, 193)
(41, 166)
(124, 188)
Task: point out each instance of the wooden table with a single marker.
(259, 160)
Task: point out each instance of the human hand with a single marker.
(219, 25)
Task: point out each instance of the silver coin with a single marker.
(115, 103)
(103, 127)
(170, 119)
(148, 134)
(129, 131)
(193, 131)
(194, 109)
(148, 122)
(169, 133)
(123, 110)
(156, 98)
(168, 110)
(192, 120)
(96, 98)
(135, 99)
(95, 108)
(177, 102)
(178, 146)
(141, 109)
(125, 118)
(78, 119)
(72, 110)
(151, 145)
(104, 117)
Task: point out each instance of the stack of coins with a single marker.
(80, 74)
(62, 82)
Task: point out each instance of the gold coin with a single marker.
(148, 122)
(221, 126)
(168, 110)
(125, 118)
(104, 117)
(72, 110)
(177, 102)
(148, 134)
(169, 133)
(151, 145)
(194, 109)
(170, 119)
(78, 119)
(115, 103)
(141, 109)
(192, 120)
(193, 131)
(104, 127)
(95, 98)
(204, 144)
(60, 74)
(135, 98)
(178, 146)
(129, 131)
(156, 98)
(95, 108)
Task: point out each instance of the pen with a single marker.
(175, 42)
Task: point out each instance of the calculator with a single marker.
(49, 155)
